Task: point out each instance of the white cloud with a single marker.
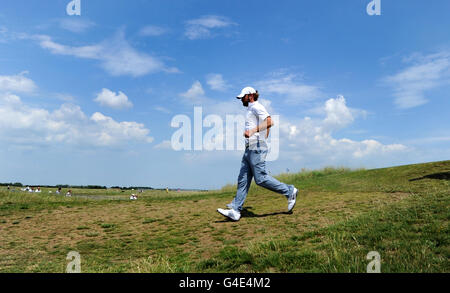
(21, 124)
(3, 34)
(75, 25)
(430, 140)
(164, 145)
(110, 99)
(64, 97)
(292, 91)
(216, 82)
(426, 73)
(153, 31)
(312, 139)
(121, 59)
(338, 114)
(88, 52)
(69, 112)
(17, 83)
(200, 28)
(10, 99)
(195, 94)
(113, 132)
(162, 110)
(116, 56)
(211, 21)
(373, 147)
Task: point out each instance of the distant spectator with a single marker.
(9, 187)
(69, 193)
(38, 190)
(133, 197)
(58, 191)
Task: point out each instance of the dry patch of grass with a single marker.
(193, 226)
(175, 232)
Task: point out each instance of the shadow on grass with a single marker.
(246, 213)
(439, 176)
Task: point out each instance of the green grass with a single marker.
(411, 236)
(402, 213)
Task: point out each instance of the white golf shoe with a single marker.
(292, 200)
(231, 214)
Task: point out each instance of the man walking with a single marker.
(257, 128)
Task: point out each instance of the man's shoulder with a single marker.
(256, 105)
(259, 107)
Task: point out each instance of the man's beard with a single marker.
(245, 103)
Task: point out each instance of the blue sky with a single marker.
(89, 99)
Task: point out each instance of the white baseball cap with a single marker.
(246, 91)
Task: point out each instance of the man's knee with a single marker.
(260, 180)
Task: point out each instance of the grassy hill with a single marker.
(341, 215)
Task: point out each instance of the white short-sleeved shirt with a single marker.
(256, 115)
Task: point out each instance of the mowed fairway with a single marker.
(341, 215)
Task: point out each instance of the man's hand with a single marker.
(249, 133)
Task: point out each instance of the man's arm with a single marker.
(267, 124)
